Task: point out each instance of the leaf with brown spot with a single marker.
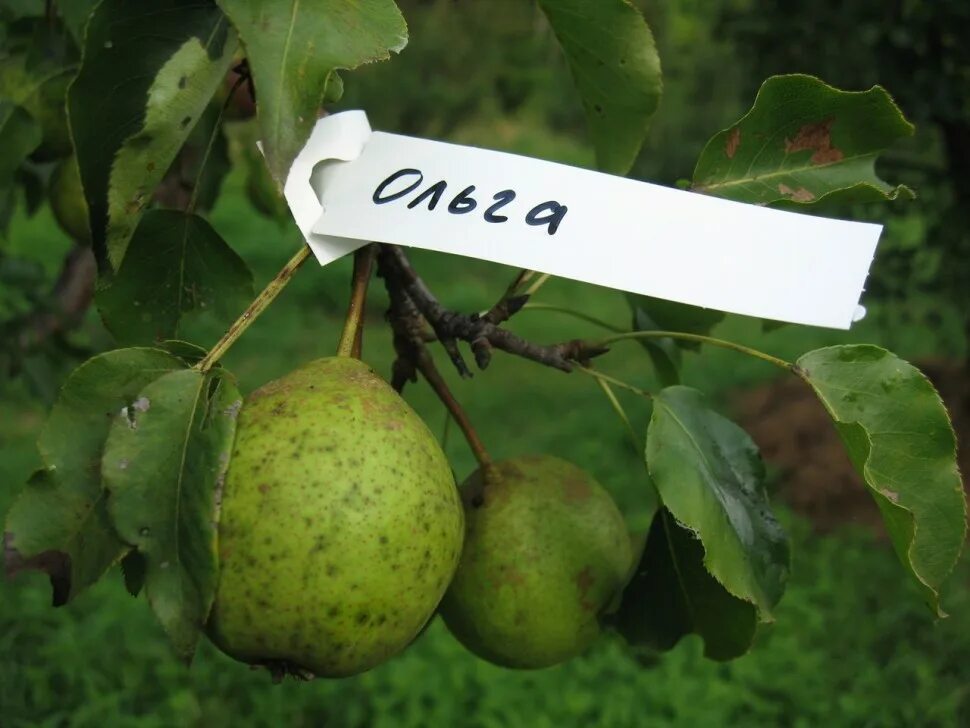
(817, 138)
(732, 142)
(799, 195)
(805, 142)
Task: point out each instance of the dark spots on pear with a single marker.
(264, 488)
(362, 617)
(383, 498)
(576, 488)
(185, 121)
(182, 81)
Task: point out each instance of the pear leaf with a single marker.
(672, 595)
(148, 71)
(711, 478)
(900, 440)
(164, 464)
(614, 62)
(802, 142)
(176, 265)
(295, 48)
(60, 523)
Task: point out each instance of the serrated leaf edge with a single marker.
(934, 591)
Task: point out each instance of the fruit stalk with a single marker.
(430, 372)
(351, 339)
(252, 312)
(781, 363)
(413, 355)
(481, 333)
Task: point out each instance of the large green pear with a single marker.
(340, 524)
(546, 551)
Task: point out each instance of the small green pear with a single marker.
(546, 551)
(340, 524)
(67, 200)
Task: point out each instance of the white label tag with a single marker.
(350, 186)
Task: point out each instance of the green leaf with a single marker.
(658, 314)
(899, 438)
(294, 48)
(711, 478)
(614, 62)
(34, 74)
(177, 264)
(188, 352)
(15, 9)
(60, 522)
(164, 463)
(75, 14)
(19, 136)
(206, 162)
(672, 595)
(147, 74)
(261, 189)
(804, 141)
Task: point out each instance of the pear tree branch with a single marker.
(482, 332)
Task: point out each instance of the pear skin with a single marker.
(340, 525)
(546, 551)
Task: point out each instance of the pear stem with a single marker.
(252, 312)
(710, 340)
(614, 381)
(430, 372)
(351, 339)
(574, 313)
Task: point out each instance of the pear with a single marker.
(67, 200)
(546, 551)
(340, 524)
